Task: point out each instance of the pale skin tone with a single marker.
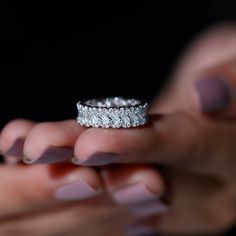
(196, 152)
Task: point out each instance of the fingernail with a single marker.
(97, 159)
(133, 195)
(139, 230)
(76, 191)
(16, 149)
(155, 207)
(214, 94)
(51, 155)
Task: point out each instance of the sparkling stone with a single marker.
(126, 122)
(105, 121)
(134, 119)
(95, 121)
(81, 117)
(115, 118)
(87, 117)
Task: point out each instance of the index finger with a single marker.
(165, 140)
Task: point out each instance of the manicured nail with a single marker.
(16, 149)
(214, 94)
(155, 207)
(134, 195)
(139, 230)
(76, 191)
(97, 159)
(51, 155)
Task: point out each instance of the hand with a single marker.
(192, 143)
(57, 199)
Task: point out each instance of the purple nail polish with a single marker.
(139, 229)
(16, 150)
(214, 94)
(75, 191)
(155, 207)
(134, 195)
(97, 159)
(52, 155)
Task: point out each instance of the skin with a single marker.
(196, 152)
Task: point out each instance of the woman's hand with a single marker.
(192, 142)
(56, 199)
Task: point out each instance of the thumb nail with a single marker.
(214, 94)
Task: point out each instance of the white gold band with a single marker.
(114, 112)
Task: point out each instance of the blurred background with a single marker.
(54, 53)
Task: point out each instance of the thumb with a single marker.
(209, 56)
(215, 93)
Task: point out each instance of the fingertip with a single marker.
(213, 94)
(117, 177)
(98, 140)
(12, 138)
(82, 183)
(90, 176)
(51, 142)
(104, 146)
(138, 188)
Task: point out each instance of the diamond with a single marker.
(125, 118)
(95, 121)
(105, 121)
(115, 118)
(134, 119)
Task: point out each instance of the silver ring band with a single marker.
(114, 112)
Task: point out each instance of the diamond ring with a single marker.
(114, 112)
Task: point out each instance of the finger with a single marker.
(103, 146)
(203, 60)
(51, 142)
(25, 188)
(70, 220)
(215, 93)
(12, 139)
(198, 206)
(137, 187)
(165, 140)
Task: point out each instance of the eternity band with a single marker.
(114, 112)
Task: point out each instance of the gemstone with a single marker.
(105, 120)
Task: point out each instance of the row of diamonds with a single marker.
(112, 117)
(112, 102)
